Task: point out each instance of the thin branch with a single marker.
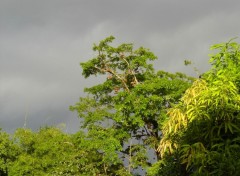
(130, 157)
(132, 72)
(105, 168)
(112, 72)
(140, 135)
(147, 131)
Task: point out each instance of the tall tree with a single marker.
(123, 115)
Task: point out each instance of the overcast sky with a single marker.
(42, 43)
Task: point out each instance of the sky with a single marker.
(42, 43)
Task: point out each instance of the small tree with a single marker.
(123, 115)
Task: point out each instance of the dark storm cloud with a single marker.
(42, 43)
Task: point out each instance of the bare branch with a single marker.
(115, 74)
(131, 71)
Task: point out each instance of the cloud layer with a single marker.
(43, 42)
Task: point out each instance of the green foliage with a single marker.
(129, 105)
(8, 152)
(46, 152)
(204, 129)
(52, 152)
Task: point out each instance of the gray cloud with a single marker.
(43, 42)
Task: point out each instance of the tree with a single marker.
(46, 152)
(123, 116)
(201, 136)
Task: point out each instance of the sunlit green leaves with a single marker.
(205, 126)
